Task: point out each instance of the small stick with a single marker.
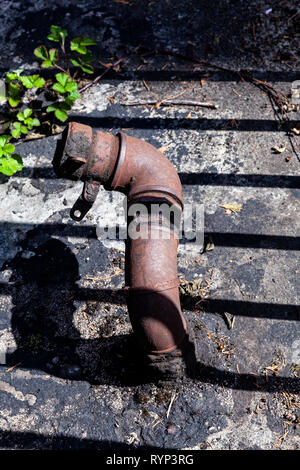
(170, 102)
(170, 405)
(62, 69)
(12, 367)
(146, 85)
(96, 80)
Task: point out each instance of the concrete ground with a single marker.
(63, 320)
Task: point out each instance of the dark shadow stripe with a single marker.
(244, 240)
(20, 440)
(173, 75)
(255, 180)
(253, 309)
(205, 179)
(202, 124)
(235, 307)
(238, 240)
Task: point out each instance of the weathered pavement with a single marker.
(63, 322)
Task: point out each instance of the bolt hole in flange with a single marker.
(77, 214)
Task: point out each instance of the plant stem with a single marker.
(102, 74)
(63, 70)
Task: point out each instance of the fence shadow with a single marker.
(44, 294)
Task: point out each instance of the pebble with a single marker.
(72, 371)
(172, 429)
(27, 254)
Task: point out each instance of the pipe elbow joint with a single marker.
(144, 174)
(144, 171)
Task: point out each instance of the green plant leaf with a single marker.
(14, 89)
(59, 88)
(27, 81)
(41, 52)
(76, 46)
(14, 75)
(32, 81)
(53, 54)
(87, 41)
(87, 68)
(27, 112)
(39, 82)
(35, 122)
(14, 92)
(16, 133)
(62, 78)
(75, 95)
(76, 61)
(57, 34)
(52, 107)
(4, 139)
(8, 148)
(14, 102)
(71, 86)
(20, 116)
(46, 64)
(79, 44)
(81, 62)
(11, 165)
(61, 115)
(19, 128)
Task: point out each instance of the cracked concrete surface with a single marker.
(63, 320)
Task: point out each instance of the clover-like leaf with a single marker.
(46, 64)
(5, 148)
(79, 44)
(62, 78)
(53, 54)
(75, 95)
(57, 34)
(27, 112)
(8, 148)
(11, 165)
(87, 68)
(39, 82)
(14, 94)
(71, 86)
(4, 139)
(27, 82)
(41, 52)
(14, 102)
(59, 88)
(35, 122)
(14, 75)
(16, 132)
(52, 107)
(32, 81)
(82, 62)
(61, 115)
(50, 59)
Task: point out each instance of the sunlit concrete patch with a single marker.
(17, 394)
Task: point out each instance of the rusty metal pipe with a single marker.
(137, 169)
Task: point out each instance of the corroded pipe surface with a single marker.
(145, 176)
